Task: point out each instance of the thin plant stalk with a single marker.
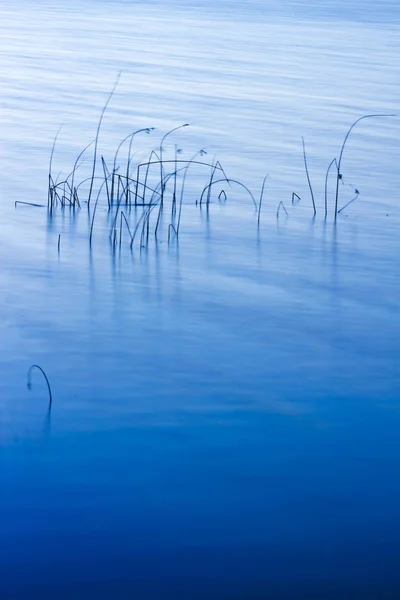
(334, 161)
(339, 163)
(281, 205)
(131, 137)
(191, 161)
(96, 141)
(147, 171)
(295, 198)
(261, 199)
(308, 175)
(49, 197)
(106, 176)
(127, 225)
(350, 202)
(29, 375)
(76, 164)
(95, 208)
(228, 180)
(161, 155)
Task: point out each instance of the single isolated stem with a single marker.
(295, 198)
(44, 375)
(281, 205)
(96, 141)
(308, 176)
(261, 199)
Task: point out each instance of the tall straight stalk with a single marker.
(308, 175)
(96, 141)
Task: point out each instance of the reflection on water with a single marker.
(224, 420)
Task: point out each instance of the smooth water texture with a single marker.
(225, 409)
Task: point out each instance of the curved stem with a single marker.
(131, 136)
(76, 165)
(339, 175)
(261, 199)
(228, 180)
(161, 153)
(308, 175)
(44, 375)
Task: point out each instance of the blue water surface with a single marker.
(225, 408)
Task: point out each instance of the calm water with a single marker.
(225, 418)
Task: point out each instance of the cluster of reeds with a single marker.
(155, 187)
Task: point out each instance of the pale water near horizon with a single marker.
(225, 416)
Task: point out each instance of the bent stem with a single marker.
(339, 163)
(44, 375)
(350, 202)
(228, 180)
(281, 205)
